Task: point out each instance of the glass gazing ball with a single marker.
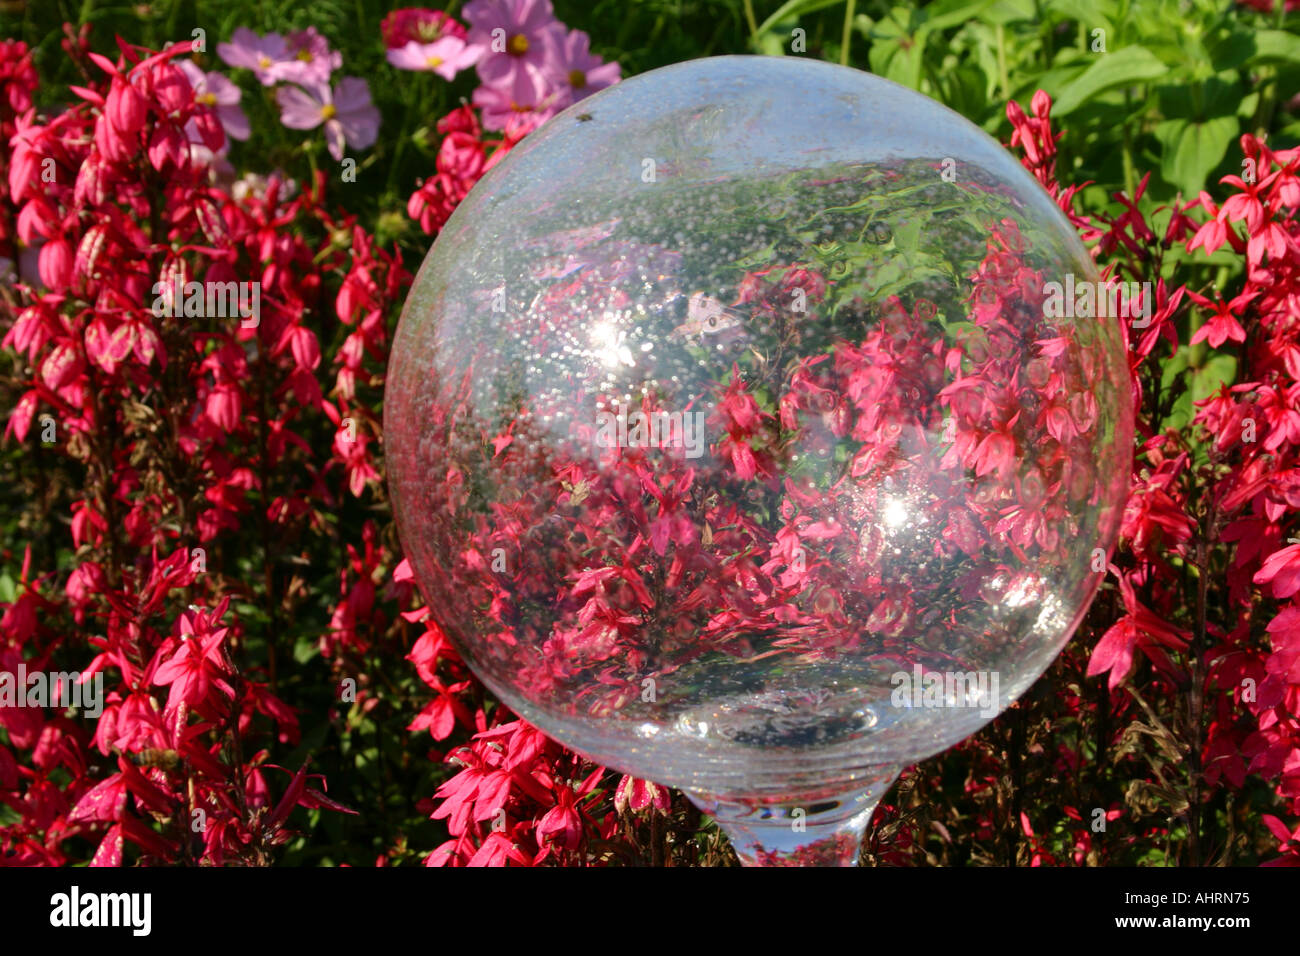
(748, 427)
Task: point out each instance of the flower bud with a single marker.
(126, 108)
(172, 88)
(113, 145)
(56, 264)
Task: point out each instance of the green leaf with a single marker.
(1219, 370)
(1009, 11)
(1220, 95)
(1182, 411)
(910, 276)
(1275, 46)
(966, 89)
(1125, 67)
(882, 200)
(304, 649)
(1087, 13)
(1192, 150)
(8, 589)
(898, 46)
(951, 13)
(1232, 50)
(907, 235)
(1059, 77)
(1223, 256)
(792, 9)
(772, 44)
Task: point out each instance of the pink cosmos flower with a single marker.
(418, 25)
(216, 91)
(574, 70)
(346, 111)
(446, 57)
(261, 54)
(309, 59)
(520, 36)
(520, 104)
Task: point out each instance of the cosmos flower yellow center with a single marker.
(207, 99)
(577, 79)
(328, 111)
(518, 45)
(264, 61)
(434, 62)
(305, 56)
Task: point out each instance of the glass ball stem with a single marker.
(819, 831)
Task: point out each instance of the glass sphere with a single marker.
(748, 427)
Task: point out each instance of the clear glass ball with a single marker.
(738, 436)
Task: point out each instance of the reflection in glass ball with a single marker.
(734, 439)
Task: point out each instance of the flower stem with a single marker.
(847, 37)
(1130, 175)
(1003, 77)
(753, 23)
